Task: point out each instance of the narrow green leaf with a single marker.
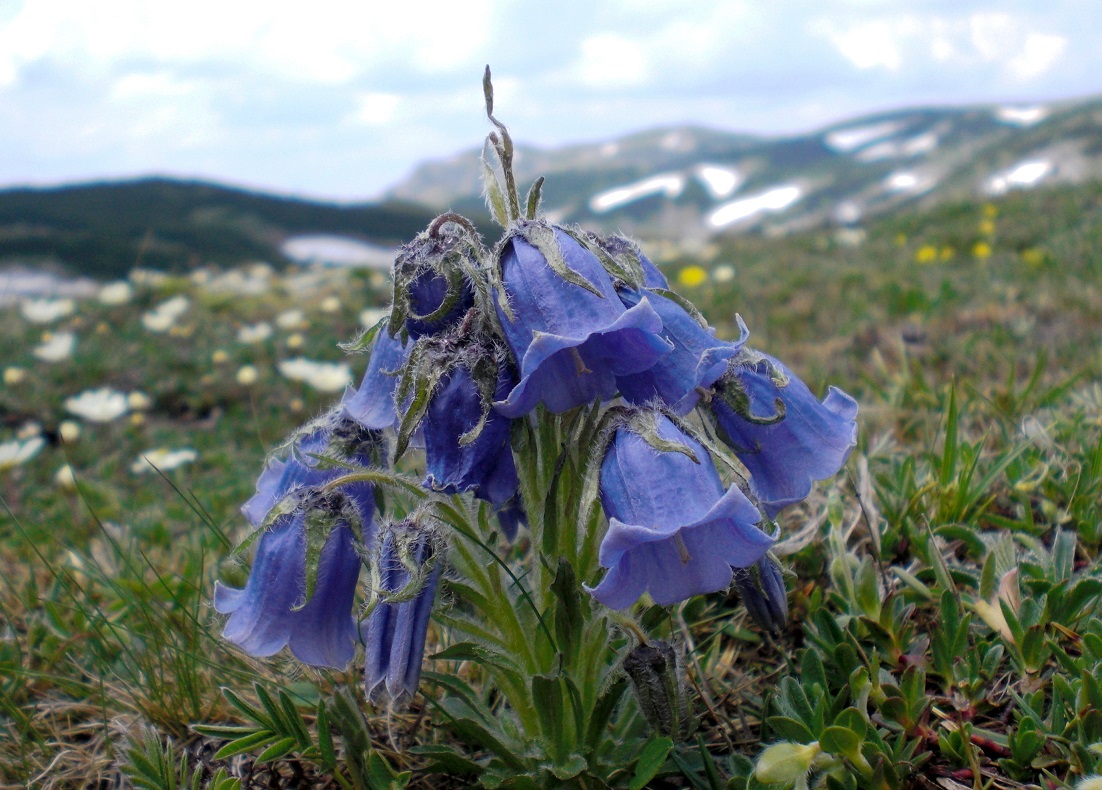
(651, 759)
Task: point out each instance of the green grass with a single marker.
(944, 590)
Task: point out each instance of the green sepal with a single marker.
(534, 195)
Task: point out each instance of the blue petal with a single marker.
(372, 405)
(263, 616)
(570, 342)
(697, 361)
(673, 530)
(485, 466)
(784, 458)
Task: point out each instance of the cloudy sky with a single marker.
(339, 99)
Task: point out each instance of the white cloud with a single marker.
(1039, 54)
(374, 109)
(609, 60)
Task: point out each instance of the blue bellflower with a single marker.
(696, 362)
(394, 633)
(485, 466)
(762, 590)
(372, 405)
(673, 531)
(784, 457)
(570, 343)
(272, 610)
(429, 282)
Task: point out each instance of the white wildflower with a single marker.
(291, 319)
(69, 431)
(330, 304)
(56, 347)
(102, 405)
(163, 317)
(65, 479)
(254, 333)
(16, 452)
(116, 293)
(324, 376)
(13, 375)
(138, 401)
(163, 459)
(46, 311)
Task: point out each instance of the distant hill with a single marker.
(103, 229)
(692, 183)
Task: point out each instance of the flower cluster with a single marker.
(480, 345)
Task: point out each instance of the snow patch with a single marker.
(668, 184)
(845, 140)
(720, 182)
(1021, 116)
(337, 251)
(773, 199)
(900, 149)
(1022, 176)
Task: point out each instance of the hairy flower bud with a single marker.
(657, 676)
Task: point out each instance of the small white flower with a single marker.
(247, 375)
(324, 376)
(723, 273)
(56, 347)
(46, 311)
(102, 405)
(16, 452)
(162, 458)
(330, 304)
(116, 293)
(163, 316)
(254, 333)
(291, 319)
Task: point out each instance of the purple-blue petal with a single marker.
(784, 458)
(673, 530)
(697, 360)
(570, 343)
(372, 405)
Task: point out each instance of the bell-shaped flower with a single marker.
(372, 405)
(456, 462)
(432, 290)
(696, 362)
(302, 584)
(569, 331)
(673, 530)
(761, 587)
(408, 572)
(274, 610)
(780, 431)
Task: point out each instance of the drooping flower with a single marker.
(303, 522)
(673, 530)
(696, 362)
(372, 405)
(569, 331)
(102, 405)
(810, 441)
(485, 465)
(394, 633)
